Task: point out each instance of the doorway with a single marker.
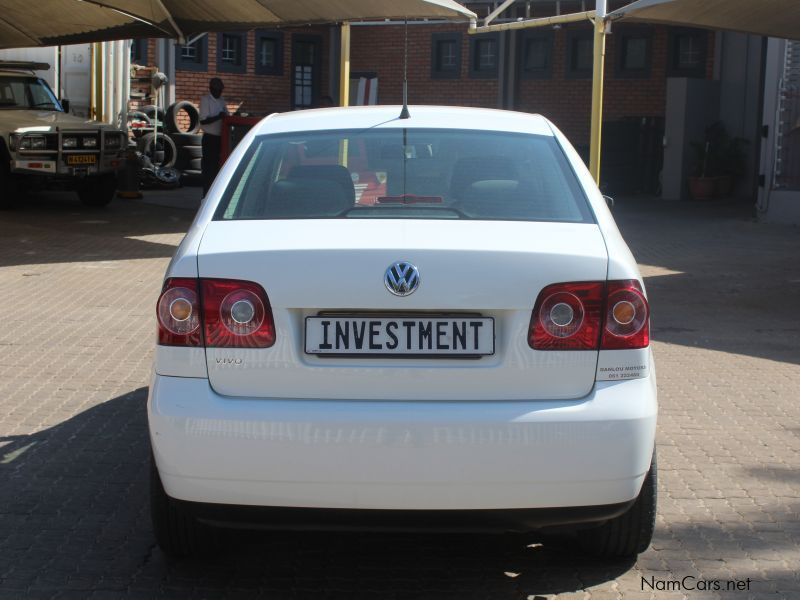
(306, 62)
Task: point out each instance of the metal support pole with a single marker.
(344, 66)
(597, 90)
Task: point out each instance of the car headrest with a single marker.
(470, 169)
(306, 198)
(332, 173)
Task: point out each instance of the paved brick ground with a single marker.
(77, 290)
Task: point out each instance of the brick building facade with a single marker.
(545, 67)
(542, 70)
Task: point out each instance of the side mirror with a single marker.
(65, 105)
(609, 201)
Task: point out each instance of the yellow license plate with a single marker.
(81, 159)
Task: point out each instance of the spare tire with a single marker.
(154, 112)
(172, 117)
(186, 139)
(150, 145)
(189, 151)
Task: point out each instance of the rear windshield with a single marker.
(405, 173)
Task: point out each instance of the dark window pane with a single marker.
(266, 53)
(536, 55)
(304, 53)
(189, 52)
(231, 49)
(486, 55)
(690, 52)
(634, 53)
(446, 55)
(582, 54)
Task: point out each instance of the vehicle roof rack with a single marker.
(25, 65)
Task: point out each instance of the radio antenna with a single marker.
(404, 114)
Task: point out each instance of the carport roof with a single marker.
(52, 22)
(774, 18)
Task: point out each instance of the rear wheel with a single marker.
(98, 191)
(630, 533)
(177, 533)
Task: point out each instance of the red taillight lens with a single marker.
(627, 318)
(178, 312)
(236, 314)
(570, 316)
(567, 316)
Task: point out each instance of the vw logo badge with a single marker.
(402, 278)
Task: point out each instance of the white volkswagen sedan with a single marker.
(429, 322)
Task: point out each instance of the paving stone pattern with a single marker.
(77, 297)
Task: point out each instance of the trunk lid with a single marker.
(492, 268)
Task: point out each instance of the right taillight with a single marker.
(567, 316)
(593, 315)
(627, 318)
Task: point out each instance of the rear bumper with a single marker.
(349, 519)
(396, 456)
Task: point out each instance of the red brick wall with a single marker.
(567, 102)
(379, 49)
(262, 94)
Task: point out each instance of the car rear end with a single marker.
(462, 351)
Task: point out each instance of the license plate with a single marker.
(399, 336)
(81, 159)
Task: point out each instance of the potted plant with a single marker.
(719, 160)
(702, 186)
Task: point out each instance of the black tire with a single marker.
(172, 117)
(186, 139)
(190, 151)
(177, 532)
(98, 191)
(195, 164)
(630, 533)
(149, 144)
(154, 112)
(9, 188)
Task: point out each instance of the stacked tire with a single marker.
(188, 142)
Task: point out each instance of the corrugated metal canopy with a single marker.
(52, 22)
(774, 18)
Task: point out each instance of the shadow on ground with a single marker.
(74, 516)
(47, 227)
(715, 277)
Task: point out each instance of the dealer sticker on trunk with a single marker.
(399, 336)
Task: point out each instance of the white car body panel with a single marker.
(402, 455)
(307, 265)
(519, 429)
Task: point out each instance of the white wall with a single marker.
(47, 55)
(776, 206)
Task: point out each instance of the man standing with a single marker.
(212, 109)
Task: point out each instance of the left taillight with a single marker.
(178, 311)
(222, 313)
